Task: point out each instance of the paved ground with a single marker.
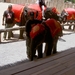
(14, 51)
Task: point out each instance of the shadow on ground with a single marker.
(15, 38)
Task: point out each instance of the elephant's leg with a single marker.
(55, 45)
(32, 49)
(28, 42)
(22, 23)
(70, 25)
(21, 34)
(74, 28)
(40, 55)
(48, 48)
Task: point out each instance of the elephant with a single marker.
(22, 14)
(68, 15)
(47, 32)
(18, 11)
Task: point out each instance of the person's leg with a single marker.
(43, 11)
(10, 32)
(5, 33)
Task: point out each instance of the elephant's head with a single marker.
(64, 15)
(52, 13)
(26, 14)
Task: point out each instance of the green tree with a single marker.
(73, 1)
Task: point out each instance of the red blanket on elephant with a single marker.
(55, 10)
(36, 30)
(53, 25)
(37, 8)
(18, 9)
(71, 13)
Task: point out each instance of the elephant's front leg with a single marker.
(21, 34)
(55, 45)
(34, 46)
(32, 49)
(48, 48)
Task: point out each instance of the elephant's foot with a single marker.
(33, 57)
(54, 52)
(40, 57)
(21, 37)
(30, 58)
(48, 54)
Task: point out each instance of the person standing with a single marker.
(8, 20)
(42, 5)
(29, 24)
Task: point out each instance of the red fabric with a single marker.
(36, 30)
(54, 26)
(39, 17)
(55, 10)
(18, 9)
(35, 7)
(71, 12)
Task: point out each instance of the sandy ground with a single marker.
(15, 51)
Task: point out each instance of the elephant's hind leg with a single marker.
(21, 34)
(55, 45)
(48, 49)
(40, 55)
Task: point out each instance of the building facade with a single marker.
(59, 4)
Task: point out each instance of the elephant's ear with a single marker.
(37, 29)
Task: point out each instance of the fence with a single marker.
(1, 0)
(12, 29)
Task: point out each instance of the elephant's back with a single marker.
(37, 29)
(54, 26)
(17, 9)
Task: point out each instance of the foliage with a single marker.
(73, 1)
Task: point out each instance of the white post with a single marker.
(0, 37)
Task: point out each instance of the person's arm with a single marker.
(3, 19)
(13, 18)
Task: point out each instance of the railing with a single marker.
(12, 29)
(23, 28)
